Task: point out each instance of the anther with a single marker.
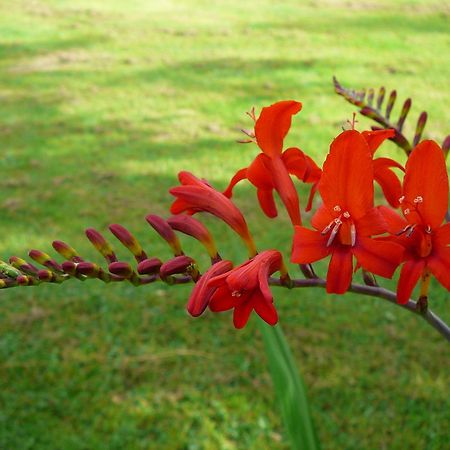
(406, 211)
(428, 229)
(353, 234)
(404, 230)
(346, 214)
(410, 231)
(236, 293)
(418, 199)
(334, 233)
(400, 200)
(337, 208)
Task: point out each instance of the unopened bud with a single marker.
(23, 265)
(122, 269)
(149, 266)
(192, 227)
(89, 269)
(166, 232)
(177, 265)
(66, 251)
(45, 260)
(128, 240)
(101, 245)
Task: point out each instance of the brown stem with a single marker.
(375, 291)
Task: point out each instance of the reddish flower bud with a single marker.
(177, 265)
(66, 251)
(193, 227)
(89, 269)
(45, 260)
(166, 232)
(128, 240)
(149, 266)
(23, 265)
(23, 280)
(101, 245)
(122, 269)
(69, 267)
(45, 275)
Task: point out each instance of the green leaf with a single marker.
(289, 389)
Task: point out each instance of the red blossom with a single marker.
(272, 168)
(347, 220)
(424, 204)
(246, 288)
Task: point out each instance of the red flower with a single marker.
(347, 219)
(246, 288)
(271, 169)
(424, 205)
(197, 195)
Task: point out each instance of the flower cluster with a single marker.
(349, 226)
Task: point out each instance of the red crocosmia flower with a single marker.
(347, 219)
(197, 195)
(246, 288)
(202, 293)
(382, 167)
(424, 204)
(271, 169)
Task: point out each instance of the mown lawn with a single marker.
(102, 102)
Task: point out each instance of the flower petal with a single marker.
(388, 180)
(347, 177)
(409, 276)
(442, 235)
(439, 264)
(222, 300)
(259, 173)
(238, 176)
(371, 224)
(340, 270)
(273, 124)
(265, 310)
(426, 179)
(394, 221)
(375, 138)
(378, 256)
(242, 313)
(308, 246)
(267, 202)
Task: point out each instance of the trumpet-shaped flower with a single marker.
(347, 220)
(195, 195)
(246, 288)
(424, 205)
(272, 168)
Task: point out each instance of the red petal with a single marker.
(295, 162)
(388, 180)
(308, 246)
(266, 310)
(378, 256)
(273, 124)
(439, 265)
(242, 313)
(267, 202)
(395, 223)
(442, 236)
(371, 224)
(322, 217)
(375, 138)
(222, 300)
(409, 276)
(426, 177)
(347, 177)
(340, 271)
(238, 176)
(259, 172)
(312, 193)
(286, 190)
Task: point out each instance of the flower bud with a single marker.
(166, 232)
(101, 245)
(128, 240)
(177, 265)
(149, 266)
(66, 251)
(23, 265)
(121, 269)
(45, 260)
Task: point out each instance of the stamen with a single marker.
(406, 211)
(353, 234)
(327, 228)
(236, 293)
(428, 229)
(337, 208)
(404, 230)
(334, 233)
(400, 200)
(346, 214)
(418, 199)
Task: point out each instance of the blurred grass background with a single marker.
(102, 102)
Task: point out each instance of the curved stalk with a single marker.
(375, 291)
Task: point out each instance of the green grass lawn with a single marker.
(101, 103)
